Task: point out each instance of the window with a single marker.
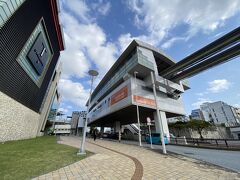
(116, 76)
(36, 54)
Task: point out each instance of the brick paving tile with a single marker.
(113, 160)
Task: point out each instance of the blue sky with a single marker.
(96, 32)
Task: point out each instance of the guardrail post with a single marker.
(216, 142)
(185, 140)
(226, 143)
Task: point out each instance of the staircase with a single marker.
(133, 128)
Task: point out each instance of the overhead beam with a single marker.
(222, 57)
(215, 47)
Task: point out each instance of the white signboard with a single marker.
(83, 114)
(149, 121)
(81, 121)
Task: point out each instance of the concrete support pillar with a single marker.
(164, 122)
(118, 129)
(117, 126)
(119, 136)
(101, 131)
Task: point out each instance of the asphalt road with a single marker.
(226, 159)
(223, 158)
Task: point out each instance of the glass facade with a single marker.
(144, 61)
(54, 107)
(136, 58)
(7, 8)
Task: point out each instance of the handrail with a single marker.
(206, 142)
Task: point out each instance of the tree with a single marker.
(199, 125)
(179, 125)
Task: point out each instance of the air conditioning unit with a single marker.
(175, 94)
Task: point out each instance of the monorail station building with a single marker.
(128, 83)
(30, 44)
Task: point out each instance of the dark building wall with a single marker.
(14, 81)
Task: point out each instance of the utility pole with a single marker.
(158, 115)
(138, 119)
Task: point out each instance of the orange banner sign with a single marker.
(118, 96)
(143, 100)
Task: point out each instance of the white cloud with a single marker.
(64, 110)
(103, 7)
(199, 102)
(159, 17)
(75, 64)
(86, 47)
(79, 8)
(171, 41)
(125, 39)
(236, 105)
(74, 93)
(86, 44)
(202, 93)
(218, 85)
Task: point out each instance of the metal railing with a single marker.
(209, 143)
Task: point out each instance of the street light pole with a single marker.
(54, 121)
(92, 73)
(139, 129)
(158, 115)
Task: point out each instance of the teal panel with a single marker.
(10, 7)
(7, 9)
(15, 5)
(1, 20)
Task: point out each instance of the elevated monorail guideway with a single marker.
(221, 50)
(222, 57)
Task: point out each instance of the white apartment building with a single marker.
(220, 112)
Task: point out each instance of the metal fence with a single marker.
(210, 143)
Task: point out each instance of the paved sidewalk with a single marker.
(224, 158)
(113, 160)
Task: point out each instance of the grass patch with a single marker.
(26, 159)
